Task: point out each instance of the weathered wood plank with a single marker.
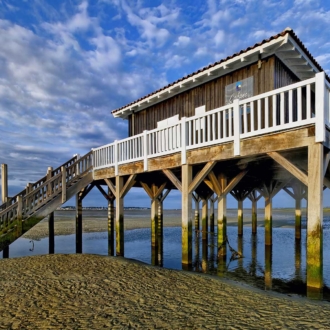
(315, 217)
(111, 186)
(295, 171)
(147, 189)
(128, 185)
(216, 187)
(176, 182)
(234, 182)
(201, 175)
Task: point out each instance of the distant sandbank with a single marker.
(96, 221)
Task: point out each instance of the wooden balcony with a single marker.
(269, 115)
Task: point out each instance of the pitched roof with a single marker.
(287, 46)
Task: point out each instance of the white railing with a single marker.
(296, 105)
(162, 141)
(327, 103)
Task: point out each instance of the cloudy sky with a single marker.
(64, 65)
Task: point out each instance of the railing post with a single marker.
(63, 170)
(78, 165)
(49, 175)
(237, 128)
(4, 183)
(145, 150)
(320, 107)
(183, 141)
(116, 157)
(19, 214)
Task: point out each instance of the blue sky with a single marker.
(64, 65)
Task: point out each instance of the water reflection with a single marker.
(268, 267)
(281, 268)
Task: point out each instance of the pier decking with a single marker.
(251, 148)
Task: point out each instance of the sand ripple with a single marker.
(93, 292)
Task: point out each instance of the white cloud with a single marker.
(182, 41)
(219, 38)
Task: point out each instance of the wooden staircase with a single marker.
(31, 205)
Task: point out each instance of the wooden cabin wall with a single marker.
(272, 74)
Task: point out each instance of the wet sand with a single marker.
(96, 221)
(94, 292)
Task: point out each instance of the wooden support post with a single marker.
(79, 222)
(315, 217)
(254, 199)
(268, 192)
(51, 233)
(119, 217)
(268, 219)
(5, 252)
(111, 224)
(186, 215)
(4, 183)
(63, 170)
(49, 176)
(298, 219)
(154, 219)
(197, 200)
(19, 227)
(205, 209)
(222, 216)
(240, 195)
(212, 214)
(240, 217)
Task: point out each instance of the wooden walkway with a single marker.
(21, 212)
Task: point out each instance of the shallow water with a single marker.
(282, 269)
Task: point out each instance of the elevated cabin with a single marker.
(277, 62)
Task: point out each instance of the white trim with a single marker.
(320, 107)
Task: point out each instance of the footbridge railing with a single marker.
(300, 104)
(35, 196)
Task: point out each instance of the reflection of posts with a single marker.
(51, 233)
(197, 256)
(298, 259)
(204, 255)
(268, 267)
(212, 200)
(240, 251)
(254, 199)
(5, 252)
(204, 217)
(222, 266)
(79, 198)
(111, 224)
(253, 267)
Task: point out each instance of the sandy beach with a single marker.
(94, 292)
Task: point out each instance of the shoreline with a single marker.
(96, 221)
(91, 292)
